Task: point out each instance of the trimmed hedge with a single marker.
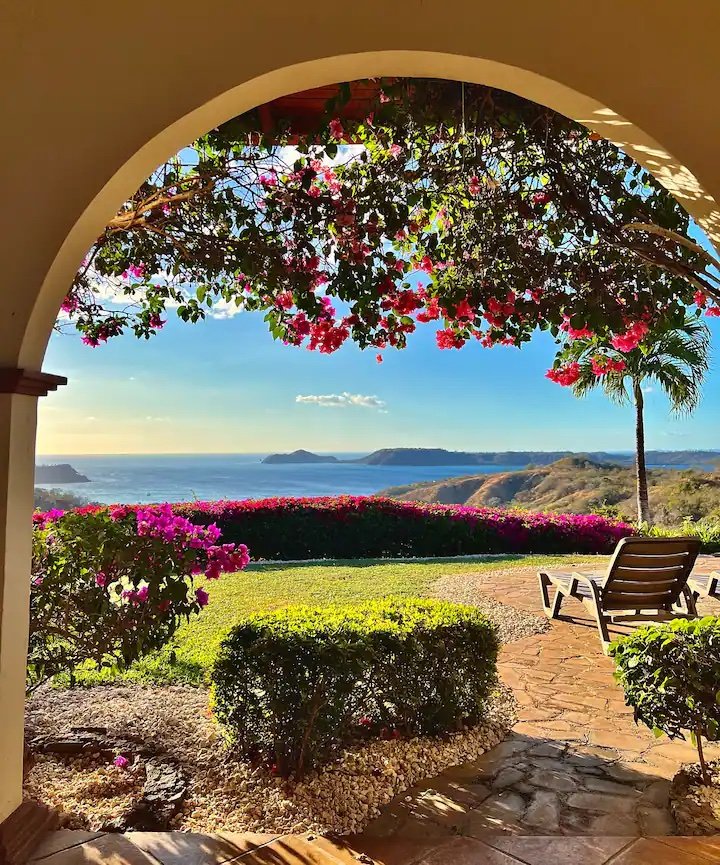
(294, 686)
(671, 676)
(347, 527)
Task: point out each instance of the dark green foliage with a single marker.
(671, 676)
(294, 686)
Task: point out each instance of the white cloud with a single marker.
(341, 400)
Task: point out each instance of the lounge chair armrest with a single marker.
(585, 578)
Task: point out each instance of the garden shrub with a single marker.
(346, 527)
(671, 676)
(112, 584)
(294, 686)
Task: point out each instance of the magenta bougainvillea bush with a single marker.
(111, 584)
(364, 526)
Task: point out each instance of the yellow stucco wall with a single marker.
(94, 95)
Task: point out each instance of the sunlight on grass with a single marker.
(264, 587)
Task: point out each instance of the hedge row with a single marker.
(294, 686)
(346, 527)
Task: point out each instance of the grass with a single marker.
(190, 657)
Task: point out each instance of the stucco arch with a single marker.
(94, 95)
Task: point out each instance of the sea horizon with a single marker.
(151, 478)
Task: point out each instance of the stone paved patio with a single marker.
(575, 764)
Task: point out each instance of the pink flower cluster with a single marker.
(159, 521)
(631, 339)
(601, 365)
(565, 375)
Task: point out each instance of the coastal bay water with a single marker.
(133, 478)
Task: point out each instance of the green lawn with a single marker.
(267, 586)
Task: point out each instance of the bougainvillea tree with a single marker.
(461, 205)
(110, 585)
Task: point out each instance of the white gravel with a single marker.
(226, 793)
(477, 591)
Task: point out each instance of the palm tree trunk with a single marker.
(643, 505)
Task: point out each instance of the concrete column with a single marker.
(19, 391)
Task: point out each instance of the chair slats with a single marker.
(648, 575)
(660, 560)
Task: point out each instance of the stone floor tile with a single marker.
(543, 813)
(500, 813)
(559, 780)
(615, 824)
(560, 851)
(390, 851)
(709, 846)
(647, 851)
(62, 839)
(290, 850)
(467, 851)
(618, 741)
(656, 820)
(602, 785)
(103, 850)
(192, 848)
(602, 803)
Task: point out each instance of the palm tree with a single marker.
(675, 359)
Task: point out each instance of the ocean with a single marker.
(147, 478)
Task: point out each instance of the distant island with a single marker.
(578, 485)
(442, 457)
(63, 473)
(299, 456)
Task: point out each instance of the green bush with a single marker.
(707, 530)
(294, 686)
(671, 676)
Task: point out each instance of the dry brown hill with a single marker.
(577, 485)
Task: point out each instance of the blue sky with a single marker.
(225, 386)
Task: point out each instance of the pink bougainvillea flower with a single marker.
(100, 579)
(632, 337)
(601, 365)
(700, 298)
(542, 196)
(202, 597)
(136, 271)
(379, 358)
(474, 186)
(395, 150)
(565, 375)
(713, 311)
(336, 129)
(155, 321)
(448, 339)
(583, 332)
(425, 264)
(120, 761)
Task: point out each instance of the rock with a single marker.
(543, 812)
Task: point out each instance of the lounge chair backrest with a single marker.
(648, 573)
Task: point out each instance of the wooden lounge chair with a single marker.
(646, 580)
(705, 585)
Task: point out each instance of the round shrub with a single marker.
(671, 676)
(294, 686)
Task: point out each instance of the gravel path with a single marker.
(226, 793)
(477, 591)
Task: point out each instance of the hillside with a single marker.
(442, 457)
(62, 473)
(298, 456)
(577, 485)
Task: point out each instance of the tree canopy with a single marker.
(459, 204)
